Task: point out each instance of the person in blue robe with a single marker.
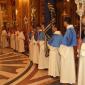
(31, 45)
(54, 56)
(67, 54)
(35, 47)
(43, 60)
(70, 37)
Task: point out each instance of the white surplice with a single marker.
(81, 74)
(35, 52)
(16, 40)
(12, 41)
(31, 48)
(54, 62)
(4, 42)
(9, 35)
(67, 74)
(43, 61)
(21, 38)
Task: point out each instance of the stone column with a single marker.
(1, 18)
(42, 10)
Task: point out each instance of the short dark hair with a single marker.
(55, 25)
(42, 23)
(68, 20)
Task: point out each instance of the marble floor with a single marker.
(17, 69)
(12, 65)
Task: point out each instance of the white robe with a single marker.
(43, 61)
(16, 40)
(31, 48)
(81, 75)
(68, 73)
(54, 62)
(4, 42)
(35, 52)
(9, 35)
(12, 41)
(21, 38)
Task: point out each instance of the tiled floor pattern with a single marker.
(37, 77)
(13, 64)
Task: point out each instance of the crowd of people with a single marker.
(61, 61)
(13, 39)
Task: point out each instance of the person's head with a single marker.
(54, 28)
(67, 21)
(20, 30)
(42, 25)
(32, 31)
(38, 27)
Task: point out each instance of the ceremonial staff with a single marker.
(80, 11)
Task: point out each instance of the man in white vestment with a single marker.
(68, 74)
(4, 42)
(21, 38)
(9, 35)
(12, 40)
(31, 45)
(16, 40)
(81, 72)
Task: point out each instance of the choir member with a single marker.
(21, 39)
(35, 47)
(4, 38)
(43, 60)
(12, 40)
(81, 74)
(31, 45)
(68, 74)
(54, 56)
(9, 35)
(16, 40)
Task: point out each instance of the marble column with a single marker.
(1, 18)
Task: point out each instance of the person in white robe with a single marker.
(21, 38)
(43, 60)
(81, 72)
(35, 48)
(54, 56)
(16, 40)
(12, 40)
(68, 74)
(31, 45)
(4, 42)
(9, 35)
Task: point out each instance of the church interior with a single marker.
(30, 58)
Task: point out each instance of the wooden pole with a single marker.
(80, 26)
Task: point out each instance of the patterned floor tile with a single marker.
(11, 64)
(17, 69)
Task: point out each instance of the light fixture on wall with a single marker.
(68, 0)
(64, 13)
(16, 11)
(25, 20)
